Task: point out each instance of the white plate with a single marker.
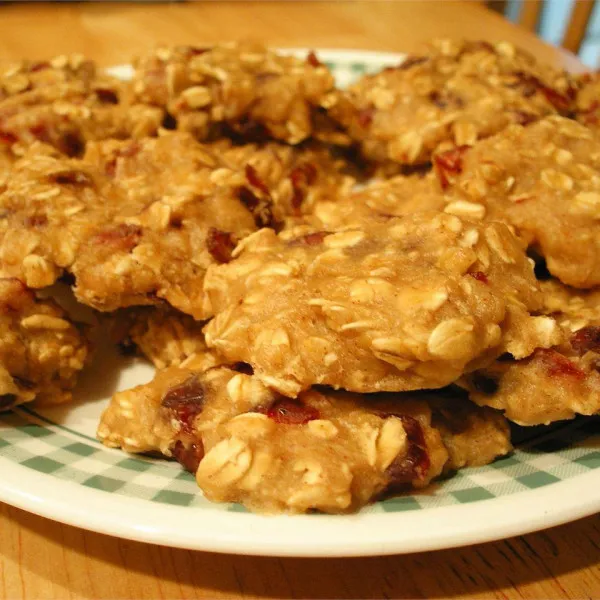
(52, 465)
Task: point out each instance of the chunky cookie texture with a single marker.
(543, 180)
(164, 336)
(66, 102)
(555, 383)
(456, 92)
(138, 222)
(241, 87)
(406, 304)
(324, 450)
(41, 350)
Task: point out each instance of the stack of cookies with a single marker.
(346, 293)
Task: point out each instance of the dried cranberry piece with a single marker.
(530, 84)
(524, 118)
(484, 384)
(365, 116)
(7, 400)
(122, 237)
(186, 401)
(558, 365)
(6, 137)
(586, 339)
(289, 411)
(248, 198)
(480, 276)
(40, 131)
(107, 96)
(449, 162)
(415, 463)
(220, 244)
(312, 59)
(188, 457)
(255, 181)
(39, 66)
(411, 61)
(35, 221)
(310, 239)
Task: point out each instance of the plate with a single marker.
(52, 465)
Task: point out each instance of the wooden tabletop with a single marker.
(43, 559)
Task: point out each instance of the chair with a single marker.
(576, 29)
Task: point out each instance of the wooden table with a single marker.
(43, 559)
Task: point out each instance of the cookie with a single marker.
(138, 222)
(544, 181)
(409, 303)
(242, 87)
(164, 336)
(66, 102)
(555, 383)
(324, 450)
(41, 350)
(457, 92)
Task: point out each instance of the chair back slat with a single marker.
(529, 15)
(578, 23)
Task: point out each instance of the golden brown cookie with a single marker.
(65, 102)
(41, 350)
(250, 90)
(403, 304)
(325, 450)
(556, 383)
(544, 181)
(456, 92)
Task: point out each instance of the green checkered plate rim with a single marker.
(52, 465)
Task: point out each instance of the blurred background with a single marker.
(574, 24)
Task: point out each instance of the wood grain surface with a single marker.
(43, 559)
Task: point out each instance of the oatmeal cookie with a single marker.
(165, 336)
(552, 384)
(41, 351)
(243, 86)
(380, 200)
(65, 102)
(324, 450)
(544, 181)
(457, 92)
(409, 303)
(137, 222)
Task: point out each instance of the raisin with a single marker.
(248, 198)
(480, 276)
(449, 162)
(484, 384)
(185, 401)
(72, 144)
(188, 457)
(523, 118)
(107, 96)
(71, 178)
(301, 177)
(220, 244)
(288, 411)
(415, 463)
(6, 137)
(586, 340)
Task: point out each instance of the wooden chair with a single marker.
(576, 29)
